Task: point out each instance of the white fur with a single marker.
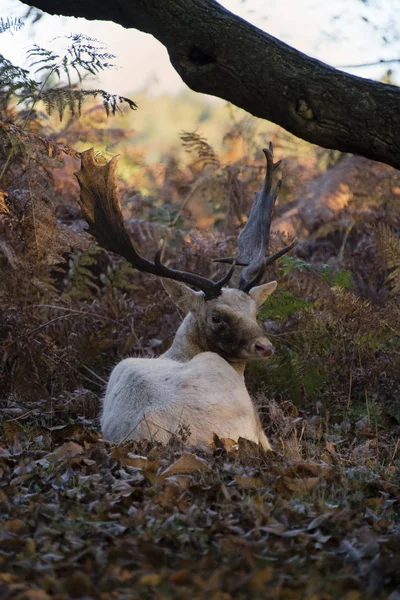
(206, 395)
(188, 389)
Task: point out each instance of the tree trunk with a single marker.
(218, 53)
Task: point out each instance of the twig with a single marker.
(147, 421)
(129, 432)
(395, 451)
(183, 205)
(71, 367)
(45, 325)
(95, 374)
(73, 310)
(382, 61)
(350, 384)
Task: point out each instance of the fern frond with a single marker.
(280, 306)
(351, 314)
(14, 81)
(83, 55)
(87, 53)
(21, 137)
(340, 279)
(11, 24)
(62, 98)
(388, 245)
(44, 56)
(80, 281)
(288, 263)
(194, 142)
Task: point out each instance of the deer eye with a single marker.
(216, 319)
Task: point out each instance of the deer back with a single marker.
(159, 398)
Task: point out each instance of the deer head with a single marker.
(222, 319)
(226, 325)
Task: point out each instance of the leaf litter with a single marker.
(83, 518)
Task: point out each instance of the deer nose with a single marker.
(263, 349)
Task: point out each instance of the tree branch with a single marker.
(218, 53)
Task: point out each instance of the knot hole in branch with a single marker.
(197, 56)
(304, 110)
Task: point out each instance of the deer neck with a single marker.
(190, 341)
(187, 341)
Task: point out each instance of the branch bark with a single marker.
(218, 53)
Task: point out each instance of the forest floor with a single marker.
(83, 518)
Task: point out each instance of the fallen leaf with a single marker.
(187, 463)
(305, 468)
(4, 453)
(226, 444)
(301, 485)
(15, 526)
(3, 206)
(78, 584)
(71, 430)
(35, 595)
(12, 431)
(180, 577)
(247, 447)
(229, 444)
(152, 579)
(247, 483)
(168, 496)
(331, 448)
(260, 578)
(30, 547)
(67, 450)
(134, 460)
(3, 496)
(375, 503)
(7, 577)
(274, 527)
(352, 595)
(318, 520)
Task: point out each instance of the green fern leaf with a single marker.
(283, 304)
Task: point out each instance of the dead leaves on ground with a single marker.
(187, 463)
(63, 452)
(302, 477)
(83, 518)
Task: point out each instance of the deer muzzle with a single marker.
(262, 349)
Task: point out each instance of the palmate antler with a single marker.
(253, 240)
(101, 208)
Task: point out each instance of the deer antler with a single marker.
(254, 238)
(101, 208)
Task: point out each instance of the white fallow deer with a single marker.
(198, 385)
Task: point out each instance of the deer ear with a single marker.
(261, 292)
(183, 296)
